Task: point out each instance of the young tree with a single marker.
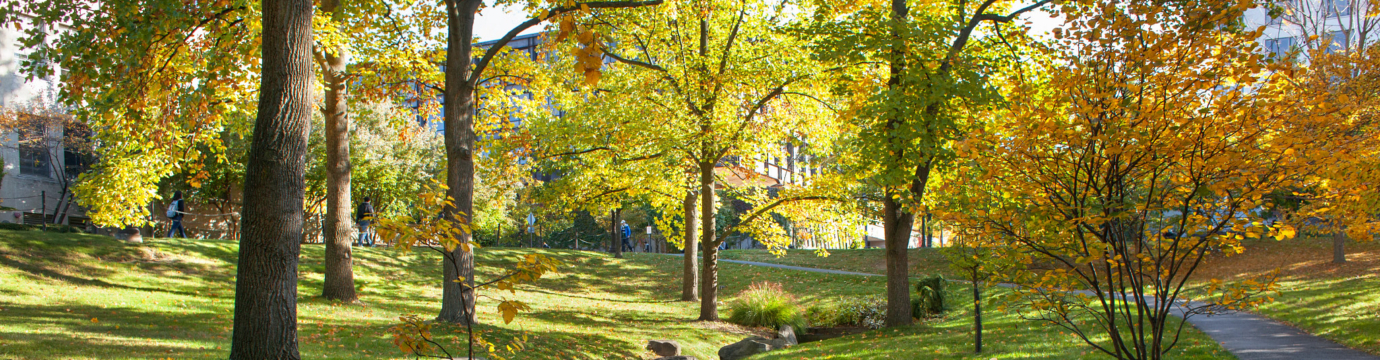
(920, 81)
(1140, 144)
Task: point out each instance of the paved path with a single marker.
(1248, 336)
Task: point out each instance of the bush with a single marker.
(65, 229)
(868, 312)
(766, 304)
(13, 226)
(929, 299)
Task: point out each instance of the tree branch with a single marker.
(634, 62)
(503, 41)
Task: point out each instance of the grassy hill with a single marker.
(91, 297)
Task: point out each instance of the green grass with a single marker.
(926, 261)
(74, 296)
(1005, 336)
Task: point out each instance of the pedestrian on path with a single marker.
(364, 216)
(176, 210)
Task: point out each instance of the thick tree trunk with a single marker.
(709, 273)
(1339, 247)
(340, 277)
(690, 285)
(265, 323)
(897, 224)
(458, 114)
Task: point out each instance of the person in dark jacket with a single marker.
(177, 209)
(364, 215)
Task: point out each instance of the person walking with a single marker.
(627, 234)
(364, 215)
(176, 210)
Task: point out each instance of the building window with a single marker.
(1336, 8)
(33, 153)
(1280, 47)
(1338, 41)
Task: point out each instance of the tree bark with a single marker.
(339, 281)
(897, 223)
(709, 274)
(265, 323)
(1339, 247)
(458, 114)
(689, 290)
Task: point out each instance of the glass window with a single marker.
(1279, 48)
(33, 153)
(1336, 7)
(1338, 41)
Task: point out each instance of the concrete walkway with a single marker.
(1248, 336)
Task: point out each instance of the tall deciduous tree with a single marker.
(463, 75)
(339, 283)
(928, 79)
(266, 275)
(700, 88)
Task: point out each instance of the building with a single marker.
(1300, 26)
(39, 169)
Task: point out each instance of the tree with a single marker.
(918, 84)
(265, 324)
(713, 109)
(157, 88)
(463, 76)
(339, 281)
(1340, 61)
(1138, 143)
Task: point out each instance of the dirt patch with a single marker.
(817, 334)
(732, 328)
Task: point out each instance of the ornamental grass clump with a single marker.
(766, 304)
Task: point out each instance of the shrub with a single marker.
(822, 315)
(13, 226)
(766, 304)
(929, 299)
(868, 312)
(65, 229)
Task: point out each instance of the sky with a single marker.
(493, 22)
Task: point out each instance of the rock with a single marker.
(787, 334)
(664, 348)
(678, 357)
(749, 347)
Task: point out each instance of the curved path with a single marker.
(1248, 336)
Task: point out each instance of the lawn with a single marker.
(1338, 302)
(1005, 336)
(92, 297)
(927, 261)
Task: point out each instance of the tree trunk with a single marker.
(265, 323)
(340, 277)
(977, 315)
(1339, 247)
(709, 273)
(689, 290)
(458, 114)
(895, 219)
(897, 223)
(614, 217)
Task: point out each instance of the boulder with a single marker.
(787, 334)
(664, 348)
(749, 347)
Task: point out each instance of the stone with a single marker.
(678, 357)
(664, 348)
(787, 334)
(749, 347)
